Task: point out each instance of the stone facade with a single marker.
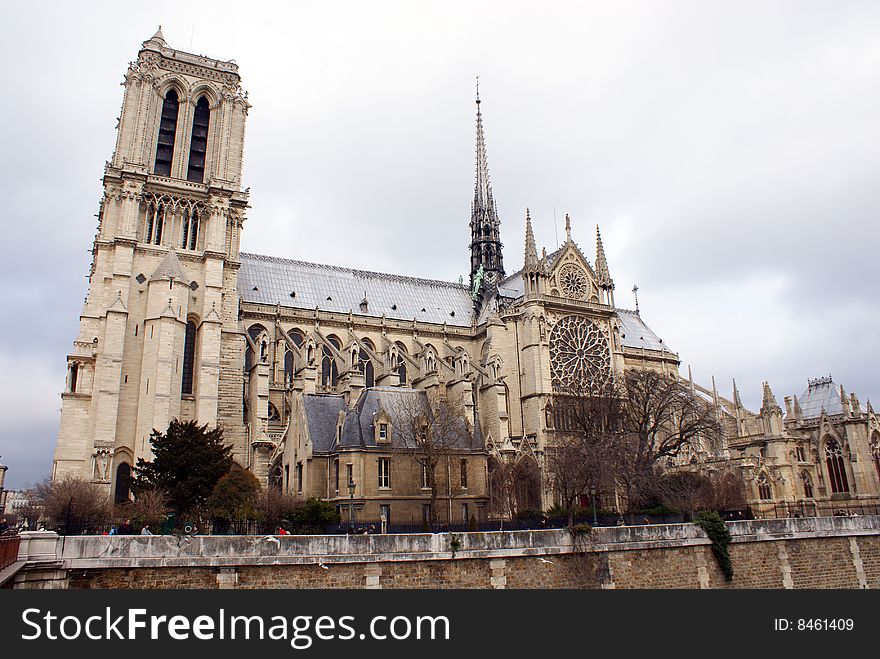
(820, 456)
(300, 363)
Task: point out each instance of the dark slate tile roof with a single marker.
(321, 414)
(271, 280)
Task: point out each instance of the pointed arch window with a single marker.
(400, 367)
(189, 356)
(808, 485)
(198, 144)
(836, 467)
(123, 483)
(765, 492)
(258, 335)
(74, 375)
(329, 370)
(365, 366)
(156, 215)
(167, 132)
(190, 228)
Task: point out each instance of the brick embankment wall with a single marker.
(804, 553)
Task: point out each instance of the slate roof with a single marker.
(322, 412)
(634, 333)
(271, 280)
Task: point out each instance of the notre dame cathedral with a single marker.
(303, 364)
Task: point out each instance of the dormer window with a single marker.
(383, 432)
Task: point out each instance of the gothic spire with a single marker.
(530, 264)
(602, 272)
(736, 399)
(487, 263)
(769, 404)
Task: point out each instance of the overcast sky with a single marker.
(729, 152)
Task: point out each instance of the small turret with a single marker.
(606, 284)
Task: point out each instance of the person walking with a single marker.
(146, 530)
(125, 528)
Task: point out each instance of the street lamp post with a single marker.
(351, 489)
(593, 501)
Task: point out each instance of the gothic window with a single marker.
(74, 375)
(167, 131)
(156, 216)
(258, 335)
(288, 366)
(573, 281)
(463, 474)
(548, 416)
(836, 468)
(800, 453)
(398, 365)
(189, 354)
(765, 493)
(274, 416)
(190, 228)
(808, 485)
(579, 356)
(298, 341)
(430, 361)
(198, 142)
(365, 366)
(329, 370)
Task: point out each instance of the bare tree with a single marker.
(583, 455)
(661, 418)
(73, 504)
(149, 508)
(429, 430)
(514, 485)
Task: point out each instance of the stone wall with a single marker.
(794, 553)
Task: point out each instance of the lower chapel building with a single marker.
(311, 369)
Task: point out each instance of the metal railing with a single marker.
(817, 509)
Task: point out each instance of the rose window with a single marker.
(579, 358)
(573, 281)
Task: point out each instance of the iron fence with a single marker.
(818, 509)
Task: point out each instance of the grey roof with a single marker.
(170, 268)
(821, 394)
(322, 412)
(634, 333)
(271, 280)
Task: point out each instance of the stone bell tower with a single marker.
(160, 320)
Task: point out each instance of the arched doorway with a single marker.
(123, 483)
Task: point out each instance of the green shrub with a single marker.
(314, 515)
(716, 529)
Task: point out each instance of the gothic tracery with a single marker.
(579, 355)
